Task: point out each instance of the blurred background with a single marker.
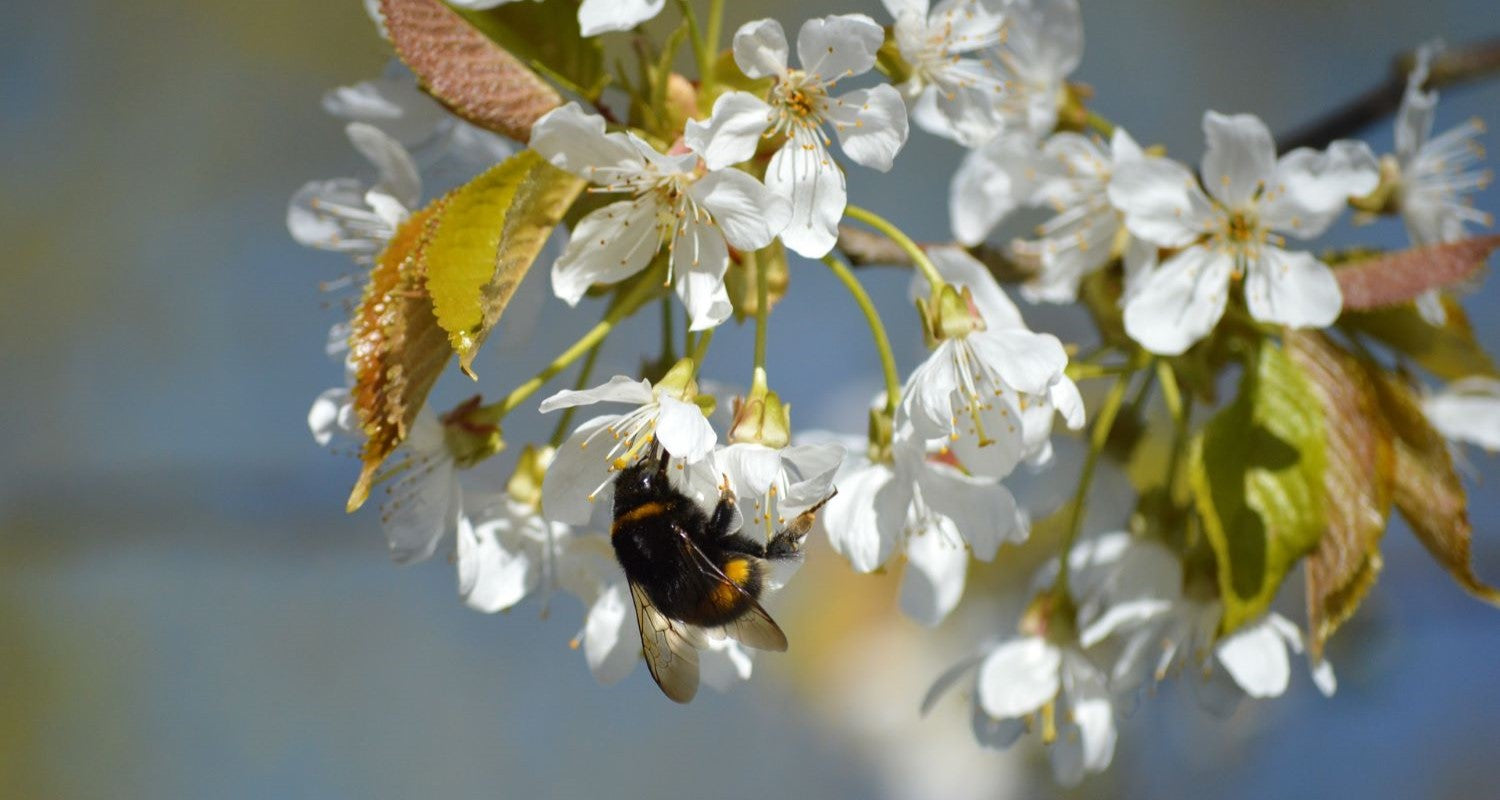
(186, 611)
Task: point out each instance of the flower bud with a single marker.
(761, 418)
(471, 432)
(949, 314)
(525, 484)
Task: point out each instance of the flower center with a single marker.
(798, 102)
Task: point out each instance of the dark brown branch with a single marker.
(865, 249)
(1450, 68)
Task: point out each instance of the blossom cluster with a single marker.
(1191, 256)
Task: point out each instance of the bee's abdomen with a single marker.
(728, 598)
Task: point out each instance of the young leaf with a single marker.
(1395, 278)
(1357, 484)
(490, 233)
(396, 345)
(546, 34)
(1427, 489)
(1257, 478)
(466, 71)
(1448, 351)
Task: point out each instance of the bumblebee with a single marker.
(689, 574)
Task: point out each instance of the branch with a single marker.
(865, 249)
(1449, 68)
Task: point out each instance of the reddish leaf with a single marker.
(1357, 484)
(1397, 278)
(396, 345)
(466, 70)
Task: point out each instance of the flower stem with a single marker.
(762, 312)
(627, 304)
(700, 350)
(900, 239)
(564, 422)
(668, 345)
(706, 74)
(1098, 437)
(877, 331)
(1181, 410)
(701, 49)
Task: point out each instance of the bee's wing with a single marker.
(754, 628)
(668, 648)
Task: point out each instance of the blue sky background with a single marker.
(187, 611)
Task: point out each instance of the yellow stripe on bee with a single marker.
(640, 512)
(737, 570)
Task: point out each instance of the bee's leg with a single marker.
(788, 541)
(723, 514)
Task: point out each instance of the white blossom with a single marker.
(1043, 45)
(347, 215)
(775, 484)
(1086, 232)
(994, 179)
(977, 390)
(955, 88)
(1435, 175)
(442, 144)
(1232, 231)
(870, 124)
(1467, 410)
(601, 16)
(585, 465)
(697, 215)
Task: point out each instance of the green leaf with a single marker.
(465, 70)
(395, 346)
(547, 36)
(1358, 483)
(489, 235)
(1448, 351)
(1257, 478)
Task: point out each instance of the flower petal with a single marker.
(1161, 201)
(990, 183)
(1310, 188)
(576, 473)
(803, 172)
(964, 271)
(937, 564)
(749, 214)
(731, 133)
(610, 641)
(490, 576)
(1292, 288)
(699, 259)
(1255, 656)
(1466, 410)
(330, 416)
(319, 215)
(760, 48)
(1028, 362)
(871, 125)
(1089, 701)
(683, 431)
(1019, 677)
(575, 141)
(1180, 302)
(618, 389)
(837, 47)
(398, 173)
(608, 245)
(1240, 158)
(864, 520)
(600, 16)
(982, 510)
(393, 104)
(751, 468)
(425, 505)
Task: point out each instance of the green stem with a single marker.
(565, 422)
(762, 312)
(668, 345)
(628, 303)
(715, 30)
(701, 51)
(1097, 439)
(901, 240)
(877, 330)
(1181, 411)
(1099, 124)
(700, 350)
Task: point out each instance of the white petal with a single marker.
(576, 472)
(1161, 201)
(1216, 692)
(1123, 147)
(1090, 704)
(610, 640)
(809, 470)
(618, 389)
(864, 520)
(1004, 425)
(982, 510)
(699, 259)
(1067, 401)
(1292, 288)
(749, 214)
(1019, 677)
(1310, 188)
(1255, 656)
(990, 183)
(683, 431)
(803, 172)
(600, 16)
(936, 567)
(575, 141)
(1180, 302)
(760, 48)
(1324, 679)
(398, 173)
(751, 468)
(608, 245)
(963, 270)
(1028, 362)
(871, 125)
(424, 506)
(724, 663)
(1054, 33)
(838, 47)
(926, 399)
(316, 217)
(1467, 410)
(1240, 158)
(490, 577)
(731, 133)
(329, 415)
(393, 104)
(967, 113)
